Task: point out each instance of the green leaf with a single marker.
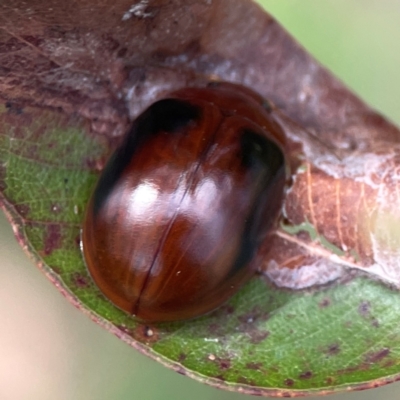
(265, 340)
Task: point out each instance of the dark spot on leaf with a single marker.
(289, 382)
(324, 303)
(224, 363)
(333, 349)
(364, 308)
(306, 375)
(52, 240)
(145, 334)
(23, 210)
(377, 356)
(78, 241)
(254, 365)
(329, 381)
(80, 280)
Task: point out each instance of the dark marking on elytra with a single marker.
(167, 116)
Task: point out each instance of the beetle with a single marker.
(184, 202)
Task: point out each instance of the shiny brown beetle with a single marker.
(183, 204)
